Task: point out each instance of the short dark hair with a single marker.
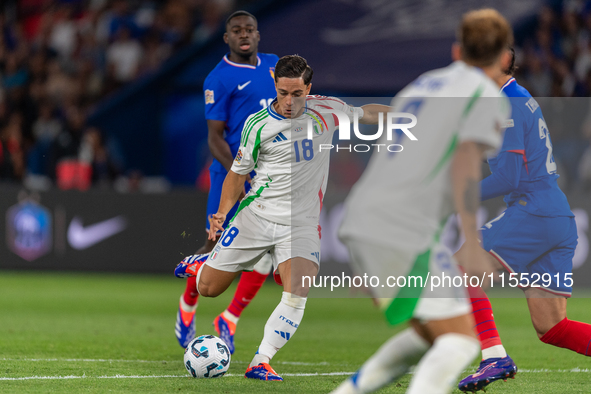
(240, 13)
(512, 67)
(293, 66)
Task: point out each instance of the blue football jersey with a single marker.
(233, 91)
(527, 135)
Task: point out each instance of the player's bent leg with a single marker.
(248, 286)
(485, 326)
(546, 309)
(293, 273)
(557, 330)
(392, 360)
(286, 317)
(212, 282)
(495, 364)
(454, 347)
(184, 327)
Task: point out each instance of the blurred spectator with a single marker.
(124, 56)
(45, 130)
(12, 160)
(94, 153)
(64, 31)
(58, 59)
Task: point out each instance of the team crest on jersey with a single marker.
(318, 129)
(238, 158)
(272, 72)
(209, 97)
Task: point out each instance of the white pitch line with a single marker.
(158, 376)
(543, 370)
(90, 360)
(100, 360)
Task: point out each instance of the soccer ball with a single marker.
(207, 357)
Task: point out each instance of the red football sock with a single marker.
(570, 334)
(191, 295)
(485, 327)
(248, 286)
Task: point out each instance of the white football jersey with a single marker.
(402, 198)
(291, 170)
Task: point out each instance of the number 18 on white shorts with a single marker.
(248, 237)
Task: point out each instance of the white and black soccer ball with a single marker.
(207, 356)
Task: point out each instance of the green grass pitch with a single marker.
(115, 333)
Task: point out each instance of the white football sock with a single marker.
(392, 360)
(281, 326)
(494, 352)
(186, 307)
(440, 367)
(230, 316)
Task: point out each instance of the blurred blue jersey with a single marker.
(524, 169)
(233, 91)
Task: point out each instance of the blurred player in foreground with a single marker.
(280, 213)
(395, 212)
(535, 237)
(241, 84)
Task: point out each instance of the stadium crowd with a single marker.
(59, 58)
(555, 61)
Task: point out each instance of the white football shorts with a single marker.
(249, 237)
(399, 272)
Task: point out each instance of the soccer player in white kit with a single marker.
(280, 214)
(396, 210)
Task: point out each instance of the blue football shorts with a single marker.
(534, 245)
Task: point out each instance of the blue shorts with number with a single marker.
(215, 193)
(534, 245)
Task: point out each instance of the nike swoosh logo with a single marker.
(80, 237)
(246, 299)
(240, 87)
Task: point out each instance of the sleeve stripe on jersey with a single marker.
(320, 116)
(334, 117)
(246, 202)
(257, 144)
(325, 98)
(473, 99)
(254, 116)
(248, 124)
(248, 128)
(454, 142)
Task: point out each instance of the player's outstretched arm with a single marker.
(218, 146)
(371, 113)
(231, 190)
(465, 178)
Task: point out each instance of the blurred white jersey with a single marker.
(402, 198)
(291, 171)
